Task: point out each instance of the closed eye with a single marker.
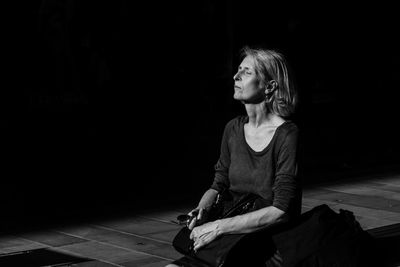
(246, 70)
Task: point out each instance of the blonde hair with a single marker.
(272, 65)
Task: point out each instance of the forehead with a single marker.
(247, 62)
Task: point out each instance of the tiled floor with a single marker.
(145, 239)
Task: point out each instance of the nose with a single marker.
(236, 77)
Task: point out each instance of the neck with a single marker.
(259, 115)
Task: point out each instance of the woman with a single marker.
(258, 151)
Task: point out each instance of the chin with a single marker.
(237, 96)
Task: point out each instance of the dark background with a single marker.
(114, 106)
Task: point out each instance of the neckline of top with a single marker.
(270, 142)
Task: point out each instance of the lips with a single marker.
(237, 87)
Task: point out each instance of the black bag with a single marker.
(321, 238)
(224, 250)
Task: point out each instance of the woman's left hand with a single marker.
(204, 234)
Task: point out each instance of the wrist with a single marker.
(204, 206)
(220, 227)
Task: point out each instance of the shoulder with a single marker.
(288, 131)
(236, 123)
(289, 127)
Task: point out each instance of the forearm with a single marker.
(247, 223)
(252, 221)
(208, 198)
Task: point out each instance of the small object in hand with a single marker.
(186, 219)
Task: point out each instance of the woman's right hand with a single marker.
(198, 214)
(206, 201)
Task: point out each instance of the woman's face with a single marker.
(247, 87)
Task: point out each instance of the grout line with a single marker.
(109, 244)
(333, 204)
(355, 181)
(33, 241)
(87, 239)
(157, 219)
(362, 194)
(69, 252)
(77, 254)
(355, 197)
(127, 233)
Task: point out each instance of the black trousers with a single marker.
(255, 249)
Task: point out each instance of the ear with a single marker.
(272, 85)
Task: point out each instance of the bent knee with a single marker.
(172, 265)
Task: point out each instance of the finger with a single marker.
(196, 242)
(191, 212)
(194, 234)
(199, 244)
(200, 215)
(206, 239)
(191, 236)
(192, 224)
(200, 241)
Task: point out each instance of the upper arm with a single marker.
(221, 168)
(287, 155)
(286, 185)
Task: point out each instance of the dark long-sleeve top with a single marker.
(270, 173)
